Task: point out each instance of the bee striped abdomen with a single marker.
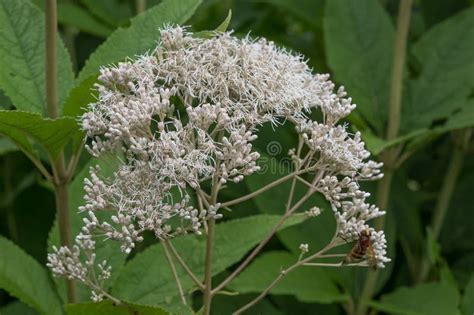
(359, 251)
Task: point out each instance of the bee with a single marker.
(362, 250)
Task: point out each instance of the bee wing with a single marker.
(371, 260)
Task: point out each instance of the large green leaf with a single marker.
(141, 36)
(16, 308)
(73, 15)
(113, 12)
(456, 232)
(7, 146)
(107, 308)
(463, 118)
(105, 250)
(359, 41)
(308, 284)
(446, 56)
(80, 97)
(226, 304)
(424, 299)
(24, 278)
(29, 129)
(22, 56)
(147, 278)
(318, 231)
(309, 11)
(467, 304)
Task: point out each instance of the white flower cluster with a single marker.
(379, 245)
(186, 115)
(352, 212)
(68, 263)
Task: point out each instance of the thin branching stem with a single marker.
(183, 264)
(262, 244)
(208, 293)
(175, 273)
(265, 188)
(39, 165)
(298, 166)
(284, 273)
(323, 264)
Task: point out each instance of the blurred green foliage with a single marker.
(351, 39)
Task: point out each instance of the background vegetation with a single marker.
(410, 68)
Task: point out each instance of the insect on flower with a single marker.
(362, 250)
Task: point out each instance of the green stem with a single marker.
(140, 6)
(445, 195)
(62, 207)
(267, 239)
(284, 273)
(208, 267)
(390, 156)
(208, 294)
(61, 177)
(265, 188)
(175, 273)
(183, 264)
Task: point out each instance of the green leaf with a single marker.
(7, 146)
(446, 55)
(147, 279)
(22, 57)
(220, 29)
(113, 12)
(376, 145)
(5, 102)
(226, 304)
(461, 119)
(73, 15)
(308, 284)
(24, 278)
(275, 199)
(80, 97)
(456, 232)
(29, 129)
(107, 308)
(309, 11)
(225, 24)
(424, 299)
(445, 274)
(467, 304)
(105, 250)
(359, 42)
(432, 246)
(141, 36)
(16, 308)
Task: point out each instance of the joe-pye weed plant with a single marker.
(184, 211)
(180, 122)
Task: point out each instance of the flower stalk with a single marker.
(175, 273)
(285, 272)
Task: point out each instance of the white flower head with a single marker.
(187, 114)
